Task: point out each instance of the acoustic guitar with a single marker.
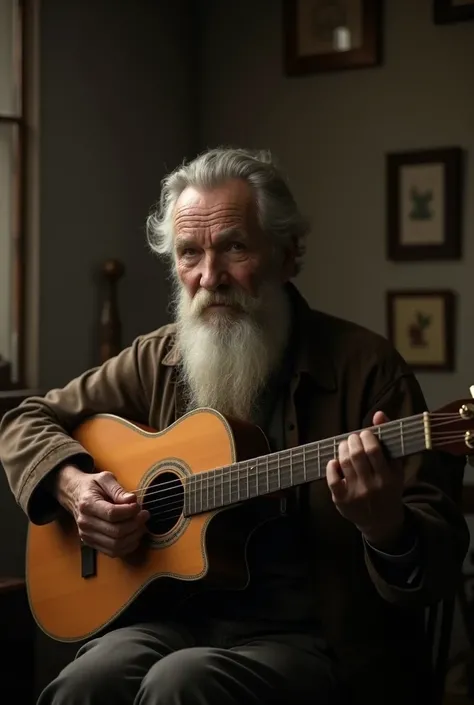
(192, 477)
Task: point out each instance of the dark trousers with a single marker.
(225, 663)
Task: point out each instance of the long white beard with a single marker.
(226, 356)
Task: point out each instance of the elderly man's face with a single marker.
(220, 247)
(232, 312)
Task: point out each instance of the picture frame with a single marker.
(421, 326)
(331, 35)
(448, 11)
(424, 194)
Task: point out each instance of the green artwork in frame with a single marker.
(424, 204)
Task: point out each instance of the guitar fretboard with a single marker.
(270, 473)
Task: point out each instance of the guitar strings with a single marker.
(388, 435)
(413, 427)
(200, 489)
(172, 500)
(194, 482)
(282, 457)
(176, 514)
(284, 473)
(408, 427)
(296, 469)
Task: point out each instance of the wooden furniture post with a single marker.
(5, 374)
(110, 333)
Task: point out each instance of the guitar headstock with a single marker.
(452, 427)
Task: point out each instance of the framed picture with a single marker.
(421, 327)
(424, 201)
(445, 11)
(331, 35)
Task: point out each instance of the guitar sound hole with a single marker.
(164, 499)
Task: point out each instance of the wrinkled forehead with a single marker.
(228, 207)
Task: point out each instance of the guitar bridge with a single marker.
(88, 561)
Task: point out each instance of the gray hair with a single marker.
(277, 211)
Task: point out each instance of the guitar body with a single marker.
(76, 592)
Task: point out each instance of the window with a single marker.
(12, 187)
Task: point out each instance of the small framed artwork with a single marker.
(424, 201)
(331, 35)
(421, 326)
(445, 11)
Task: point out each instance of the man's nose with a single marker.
(213, 274)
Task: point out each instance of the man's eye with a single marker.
(188, 252)
(236, 246)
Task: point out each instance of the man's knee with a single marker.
(94, 674)
(85, 679)
(179, 673)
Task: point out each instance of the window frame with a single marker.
(19, 205)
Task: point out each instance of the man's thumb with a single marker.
(112, 488)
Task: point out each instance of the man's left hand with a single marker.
(367, 488)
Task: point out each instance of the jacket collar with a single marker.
(312, 357)
(173, 356)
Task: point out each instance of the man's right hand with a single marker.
(108, 518)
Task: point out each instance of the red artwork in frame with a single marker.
(421, 326)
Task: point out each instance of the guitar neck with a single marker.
(281, 470)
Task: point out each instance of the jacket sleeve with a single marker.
(432, 496)
(36, 437)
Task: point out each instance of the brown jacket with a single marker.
(344, 374)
